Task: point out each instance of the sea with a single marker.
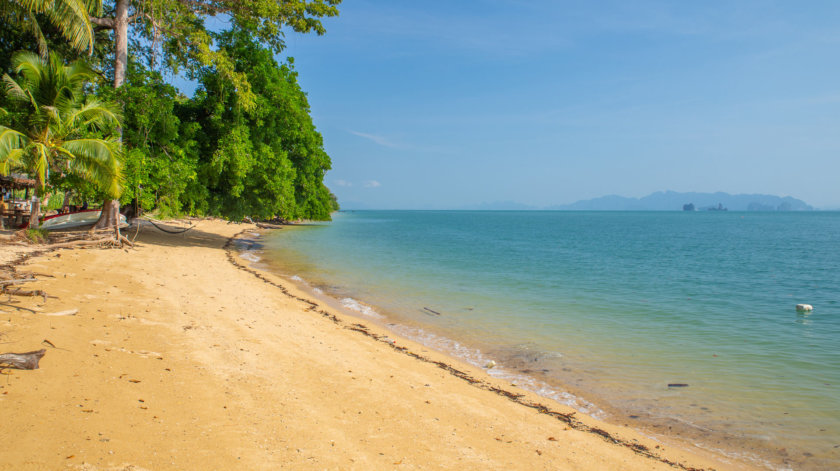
(678, 324)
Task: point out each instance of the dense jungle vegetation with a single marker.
(89, 110)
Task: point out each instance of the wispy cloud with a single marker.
(343, 183)
(372, 184)
(381, 140)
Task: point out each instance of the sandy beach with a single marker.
(181, 357)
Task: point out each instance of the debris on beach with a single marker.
(22, 361)
(69, 312)
(433, 312)
(490, 364)
(677, 385)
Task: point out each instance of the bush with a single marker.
(36, 236)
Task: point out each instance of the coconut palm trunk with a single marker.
(111, 208)
(35, 212)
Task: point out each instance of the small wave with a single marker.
(477, 358)
(250, 256)
(297, 278)
(364, 309)
(318, 290)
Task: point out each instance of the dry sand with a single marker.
(180, 360)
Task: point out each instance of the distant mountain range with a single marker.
(659, 201)
(674, 201)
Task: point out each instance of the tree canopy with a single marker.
(264, 160)
(244, 145)
(57, 126)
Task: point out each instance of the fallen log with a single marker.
(22, 361)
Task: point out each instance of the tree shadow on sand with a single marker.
(181, 236)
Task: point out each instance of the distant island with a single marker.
(659, 201)
(675, 201)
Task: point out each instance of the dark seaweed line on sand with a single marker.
(567, 418)
(20, 260)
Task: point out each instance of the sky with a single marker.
(451, 104)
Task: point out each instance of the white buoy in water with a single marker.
(804, 307)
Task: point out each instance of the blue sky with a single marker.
(448, 104)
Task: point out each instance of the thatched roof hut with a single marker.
(16, 182)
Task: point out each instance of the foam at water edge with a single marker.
(297, 278)
(742, 455)
(318, 290)
(477, 358)
(364, 309)
(250, 256)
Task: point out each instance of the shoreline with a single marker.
(358, 308)
(179, 360)
(660, 429)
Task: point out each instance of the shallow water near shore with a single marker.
(605, 310)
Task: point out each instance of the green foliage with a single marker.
(160, 163)
(261, 162)
(70, 18)
(174, 31)
(56, 126)
(37, 236)
(334, 206)
(245, 145)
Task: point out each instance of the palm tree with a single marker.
(58, 125)
(70, 17)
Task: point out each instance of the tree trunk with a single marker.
(111, 208)
(34, 212)
(120, 42)
(110, 216)
(65, 206)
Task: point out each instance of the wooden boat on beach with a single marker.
(75, 220)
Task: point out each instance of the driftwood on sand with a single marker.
(22, 361)
(68, 312)
(15, 282)
(20, 292)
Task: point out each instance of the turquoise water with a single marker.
(602, 310)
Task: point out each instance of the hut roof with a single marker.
(16, 182)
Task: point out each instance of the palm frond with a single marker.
(31, 66)
(71, 18)
(14, 90)
(78, 73)
(10, 140)
(52, 114)
(11, 149)
(35, 28)
(94, 113)
(97, 160)
(13, 159)
(41, 163)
